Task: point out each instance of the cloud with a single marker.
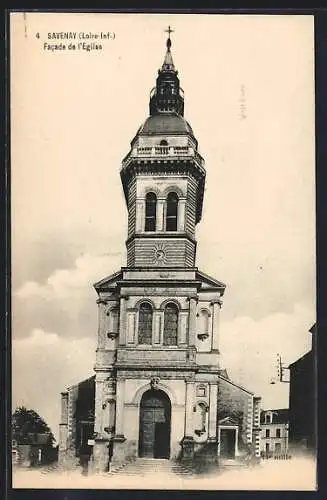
(29, 289)
(44, 364)
(249, 350)
(65, 283)
(68, 208)
(66, 301)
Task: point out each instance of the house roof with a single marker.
(220, 376)
(313, 329)
(280, 415)
(306, 355)
(89, 379)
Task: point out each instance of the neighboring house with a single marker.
(33, 450)
(274, 432)
(238, 420)
(77, 423)
(303, 399)
(14, 452)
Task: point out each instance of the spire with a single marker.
(168, 64)
(167, 96)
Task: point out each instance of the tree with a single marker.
(26, 424)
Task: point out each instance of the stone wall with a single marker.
(77, 406)
(237, 403)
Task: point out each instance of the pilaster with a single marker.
(99, 397)
(181, 214)
(190, 400)
(160, 215)
(120, 399)
(122, 320)
(187, 442)
(102, 305)
(216, 305)
(192, 320)
(139, 223)
(101, 455)
(213, 403)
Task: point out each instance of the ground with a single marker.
(295, 474)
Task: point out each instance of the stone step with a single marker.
(147, 466)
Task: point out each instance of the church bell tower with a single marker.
(163, 179)
(157, 359)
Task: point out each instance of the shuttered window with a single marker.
(150, 212)
(170, 324)
(171, 212)
(145, 324)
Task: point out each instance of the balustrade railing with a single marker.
(164, 151)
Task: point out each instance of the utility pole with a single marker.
(281, 369)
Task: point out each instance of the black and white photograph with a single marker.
(163, 251)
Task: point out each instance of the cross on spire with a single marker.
(169, 30)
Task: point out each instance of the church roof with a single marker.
(169, 123)
(108, 280)
(203, 280)
(209, 282)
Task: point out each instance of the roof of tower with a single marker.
(166, 103)
(169, 123)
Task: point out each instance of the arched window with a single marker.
(171, 214)
(145, 324)
(170, 324)
(150, 212)
(163, 142)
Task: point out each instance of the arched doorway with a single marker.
(155, 417)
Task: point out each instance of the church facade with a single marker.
(159, 390)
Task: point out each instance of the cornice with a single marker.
(164, 235)
(153, 166)
(136, 367)
(159, 282)
(157, 268)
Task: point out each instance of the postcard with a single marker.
(163, 251)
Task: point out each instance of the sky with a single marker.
(249, 97)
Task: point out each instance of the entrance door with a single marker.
(227, 443)
(155, 412)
